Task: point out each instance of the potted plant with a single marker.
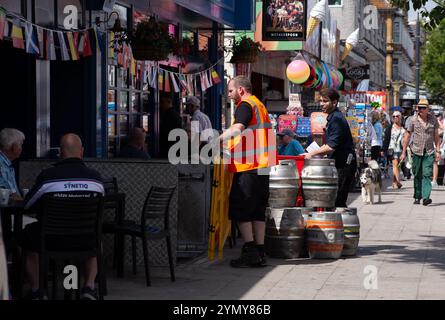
(245, 50)
(151, 41)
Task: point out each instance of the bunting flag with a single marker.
(41, 39)
(73, 50)
(31, 39)
(189, 84)
(7, 31)
(167, 81)
(145, 72)
(2, 23)
(63, 49)
(215, 77)
(132, 67)
(209, 77)
(76, 43)
(111, 51)
(182, 81)
(203, 82)
(161, 80)
(153, 81)
(175, 84)
(17, 35)
(86, 45)
(50, 48)
(206, 79)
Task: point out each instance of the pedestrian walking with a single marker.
(425, 148)
(395, 147)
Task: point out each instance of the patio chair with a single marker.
(70, 219)
(156, 207)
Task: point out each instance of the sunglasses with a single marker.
(421, 108)
(396, 116)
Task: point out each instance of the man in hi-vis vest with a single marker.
(251, 143)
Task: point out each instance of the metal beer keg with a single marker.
(305, 212)
(284, 232)
(351, 225)
(325, 235)
(320, 182)
(283, 184)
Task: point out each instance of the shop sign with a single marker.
(284, 21)
(366, 97)
(287, 121)
(357, 73)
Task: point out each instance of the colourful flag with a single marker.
(132, 67)
(86, 48)
(73, 50)
(209, 76)
(204, 82)
(183, 81)
(167, 81)
(2, 23)
(63, 49)
(31, 39)
(41, 40)
(161, 80)
(17, 35)
(111, 46)
(76, 43)
(154, 77)
(215, 77)
(50, 49)
(175, 84)
(7, 31)
(206, 79)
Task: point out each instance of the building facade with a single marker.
(353, 14)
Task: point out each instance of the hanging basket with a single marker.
(152, 41)
(248, 57)
(143, 51)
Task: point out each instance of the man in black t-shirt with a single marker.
(339, 144)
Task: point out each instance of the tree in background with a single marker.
(433, 17)
(433, 62)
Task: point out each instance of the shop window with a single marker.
(396, 32)
(335, 2)
(11, 5)
(44, 12)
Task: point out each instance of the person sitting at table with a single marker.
(52, 180)
(135, 145)
(11, 142)
(289, 146)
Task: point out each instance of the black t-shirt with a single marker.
(243, 114)
(339, 137)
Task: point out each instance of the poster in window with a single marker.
(284, 20)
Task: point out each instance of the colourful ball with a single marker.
(312, 78)
(340, 80)
(298, 71)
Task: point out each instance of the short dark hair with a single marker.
(243, 81)
(330, 93)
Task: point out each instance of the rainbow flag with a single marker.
(215, 77)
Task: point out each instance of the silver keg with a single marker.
(325, 235)
(320, 182)
(283, 185)
(284, 232)
(351, 225)
(305, 212)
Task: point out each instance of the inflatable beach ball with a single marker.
(298, 71)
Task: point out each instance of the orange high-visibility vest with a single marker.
(256, 146)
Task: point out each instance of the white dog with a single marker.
(371, 181)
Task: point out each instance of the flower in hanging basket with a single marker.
(152, 41)
(245, 50)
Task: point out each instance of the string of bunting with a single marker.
(47, 44)
(156, 77)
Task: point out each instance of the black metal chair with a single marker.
(70, 219)
(156, 207)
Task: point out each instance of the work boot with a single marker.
(250, 257)
(262, 253)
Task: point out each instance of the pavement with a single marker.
(401, 255)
